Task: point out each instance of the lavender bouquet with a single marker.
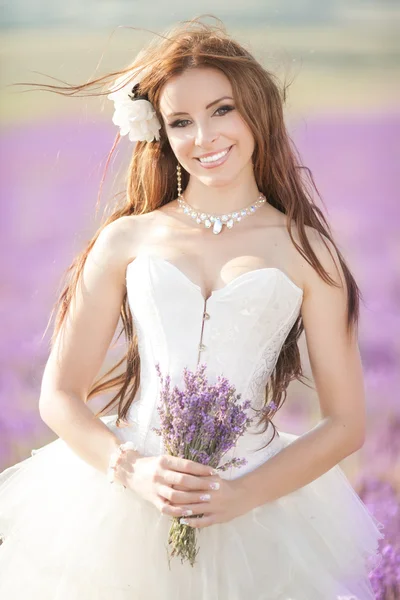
(201, 423)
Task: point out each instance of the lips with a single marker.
(215, 163)
(209, 154)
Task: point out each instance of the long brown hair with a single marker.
(151, 183)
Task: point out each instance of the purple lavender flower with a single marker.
(383, 502)
(200, 422)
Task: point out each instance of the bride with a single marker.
(217, 255)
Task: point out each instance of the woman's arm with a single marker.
(81, 346)
(337, 371)
(76, 359)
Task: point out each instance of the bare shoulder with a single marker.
(326, 253)
(115, 246)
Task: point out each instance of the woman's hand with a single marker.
(183, 488)
(171, 484)
(229, 501)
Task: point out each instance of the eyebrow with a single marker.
(174, 114)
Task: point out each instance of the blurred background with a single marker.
(342, 111)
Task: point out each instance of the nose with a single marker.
(205, 136)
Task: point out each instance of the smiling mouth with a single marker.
(207, 160)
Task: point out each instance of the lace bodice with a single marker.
(238, 332)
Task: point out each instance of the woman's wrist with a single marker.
(244, 495)
(115, 471)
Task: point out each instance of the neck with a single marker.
(220, 199)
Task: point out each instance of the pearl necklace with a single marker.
(228, 219)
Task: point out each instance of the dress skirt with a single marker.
(70, 535)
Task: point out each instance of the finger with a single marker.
(183, 465)
(174, 496)
(216, 486)
(199, 522)
(202, 508)
(173, 511)
(190, 482)
(191, 511)
(181, 498)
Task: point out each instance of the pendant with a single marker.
(217, 222)
(217, 226)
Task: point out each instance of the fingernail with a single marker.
(213, 472)
(187, 513)
(183, 521)
(214, 485)
(205, 497)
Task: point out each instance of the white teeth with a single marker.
(214, 157)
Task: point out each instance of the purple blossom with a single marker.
(200, 422)
(382, 500)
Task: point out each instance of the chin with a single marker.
(216, 182)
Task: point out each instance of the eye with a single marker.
(227, 108)
(181, 122)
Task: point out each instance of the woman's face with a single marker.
(202, 122)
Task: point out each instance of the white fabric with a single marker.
(70, 535)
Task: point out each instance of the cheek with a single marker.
(237, 130)
(244, 134)
(181, 146)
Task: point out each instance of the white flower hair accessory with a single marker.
(134, 114)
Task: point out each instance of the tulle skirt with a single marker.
(70, 535)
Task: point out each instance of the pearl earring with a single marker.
(179, 176)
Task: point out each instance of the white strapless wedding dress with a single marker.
(70, 535)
